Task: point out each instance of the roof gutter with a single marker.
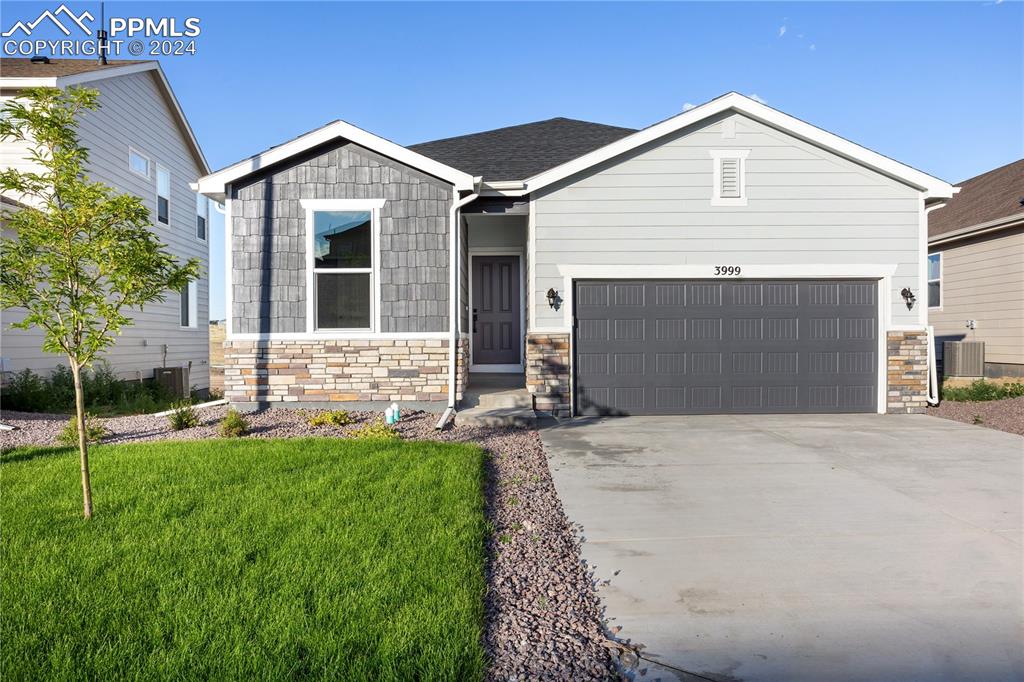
(455, 268)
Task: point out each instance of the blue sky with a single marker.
(939, 86)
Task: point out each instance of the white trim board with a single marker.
(213, 184)
(931, 187)
(500, 251)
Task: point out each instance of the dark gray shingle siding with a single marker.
(269, 248)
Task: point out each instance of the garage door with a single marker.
(725, 347)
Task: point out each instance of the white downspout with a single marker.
(454, 292)
(933, 378)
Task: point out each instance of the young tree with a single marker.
(83, 255)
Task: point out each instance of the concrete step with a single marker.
(513, 397)
(498, 416)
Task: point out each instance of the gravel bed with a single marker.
(544, 619)
(1002, 415)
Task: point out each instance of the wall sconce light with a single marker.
(553, 298)
(909, 297)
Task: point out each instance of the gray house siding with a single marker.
(133, 112)
(269, 237)
(805, 206)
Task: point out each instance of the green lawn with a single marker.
(245, 559)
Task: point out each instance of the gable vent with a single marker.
(730, 188)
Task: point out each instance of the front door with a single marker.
(495, 317)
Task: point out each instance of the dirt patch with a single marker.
(1002, 415)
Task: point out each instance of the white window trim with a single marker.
(371, 205)
(149, 163)
(156, 177)
(716, 193)
(929, 280)
(195, 233)
(193, 306)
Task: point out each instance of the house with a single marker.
(139, 143)
(976, 268)
(730, 259)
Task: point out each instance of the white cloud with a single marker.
(688, 106)
(999, 2)
(813, 47)
(782, 30)
(754, 97)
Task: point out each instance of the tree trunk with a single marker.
(83, 443)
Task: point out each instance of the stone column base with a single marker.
(547, 373)
(907, 370)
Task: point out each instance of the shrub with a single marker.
(332, 418)
(183, 416)
(981, 390)
(94, 431)
(234, 425)
(25, 391)
(376, 430)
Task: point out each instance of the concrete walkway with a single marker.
(847, 547)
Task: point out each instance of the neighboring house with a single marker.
(730, 259)
(976, 268)
(139, 143)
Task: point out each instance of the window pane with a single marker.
(163, 182)
(342, 239)
(934, 265)
(201, 227)
(162, 210)
(202, 206)
(343, 301)
(185, 316)
(934, 294)
(138, 163)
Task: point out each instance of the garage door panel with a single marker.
(699, 347)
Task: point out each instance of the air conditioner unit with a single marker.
(963, 358)
(174, 379)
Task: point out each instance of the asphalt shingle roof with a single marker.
(15, 67)
(522, 151)
(995, 194)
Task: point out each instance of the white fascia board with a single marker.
(213, 185)
(114, 72)
(931, 186)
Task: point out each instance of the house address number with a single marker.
(727, 270)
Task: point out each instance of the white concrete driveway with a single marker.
(846, 547)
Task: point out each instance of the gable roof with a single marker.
(984, 199)
(521, 151)
(932, 187)
(16, 73)
(214, 184)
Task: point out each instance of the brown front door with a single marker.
(495, 317)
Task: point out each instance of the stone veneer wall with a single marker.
(547, 373)
(907, 368)
(315, 371)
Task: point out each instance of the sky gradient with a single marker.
(939, 86)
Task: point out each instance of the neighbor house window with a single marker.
(163, 195)
(729, 181)
(935, 280)
(138, 163)
(188, 306)
(202, 213)
(343, 257)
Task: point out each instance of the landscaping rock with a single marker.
(1003, 415)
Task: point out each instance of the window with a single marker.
(138, 163)
(163, 195)
(342, 261)
(188, 305)
(935, 280)
(202, 213)
(729, 177)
